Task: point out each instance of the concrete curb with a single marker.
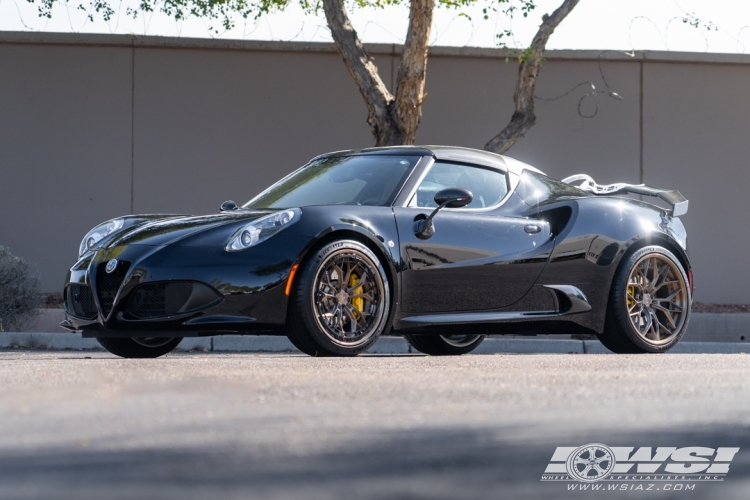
(704, 327)
(718, 327)
(53, 341)
(386, 345)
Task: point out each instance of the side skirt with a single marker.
(568, 300)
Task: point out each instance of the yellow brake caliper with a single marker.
(357, 302)
(631, 293)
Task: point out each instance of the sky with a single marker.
(594, 24)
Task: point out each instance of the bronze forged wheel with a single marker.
(341, 303)
(657, 299)
(649, 305)
(347, 297)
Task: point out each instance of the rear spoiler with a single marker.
(673, 197)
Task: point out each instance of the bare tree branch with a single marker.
(362, 69)
(524, 118)
(394, 120)
(413, 71)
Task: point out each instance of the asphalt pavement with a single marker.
(88, 425)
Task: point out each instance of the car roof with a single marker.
(449, 153)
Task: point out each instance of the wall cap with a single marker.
(163, 42)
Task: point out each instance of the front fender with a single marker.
(373, 226)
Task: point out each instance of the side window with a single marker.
(488, 186)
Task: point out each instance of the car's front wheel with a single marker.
(649, 305)
(444, 345)
(341, 302)
(151, 347)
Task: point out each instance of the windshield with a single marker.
(342, 180)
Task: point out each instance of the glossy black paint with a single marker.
(252, 281)
(447, 198)
(474, 261)
(498, 270)
(453, 198)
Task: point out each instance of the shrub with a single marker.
(20, 292)
(53, 300)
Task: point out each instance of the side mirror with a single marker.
(451, 198)
(228, 205)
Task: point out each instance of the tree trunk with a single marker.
(393, 120)
(413, 70)
(523, 117)
(362, 69)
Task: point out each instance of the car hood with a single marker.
(172, 229)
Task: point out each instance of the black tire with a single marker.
(658, 322)
(614, 344)
(312, 329)
(440, 345)
(139, 348)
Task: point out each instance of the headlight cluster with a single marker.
(261, 229)
(93, 237)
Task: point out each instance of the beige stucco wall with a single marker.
(95, 126)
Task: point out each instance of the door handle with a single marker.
(532, 228)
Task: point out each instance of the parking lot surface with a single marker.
(275, 426)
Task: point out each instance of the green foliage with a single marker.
(510, 9)
(525, 55)
(223, 13)
(696, 22)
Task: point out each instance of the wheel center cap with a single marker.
(342, 297)
(646, 301)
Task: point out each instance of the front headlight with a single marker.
(261, 229)
(93, 237)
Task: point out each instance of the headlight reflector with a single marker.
(93, 237)
(261, 229)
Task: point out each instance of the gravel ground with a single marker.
(272, 426)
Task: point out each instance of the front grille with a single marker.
(108, 284)
(155, 300)
(79, 301)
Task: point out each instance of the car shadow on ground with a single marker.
(440, 463)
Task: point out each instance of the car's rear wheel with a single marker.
(146, 347)
(341, 302)
(649, 305)
(444, 345)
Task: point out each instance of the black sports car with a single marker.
(440, 245)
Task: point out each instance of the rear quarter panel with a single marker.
(600, 233)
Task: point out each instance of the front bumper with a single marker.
(178, 291)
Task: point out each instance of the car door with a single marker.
(477, 259)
